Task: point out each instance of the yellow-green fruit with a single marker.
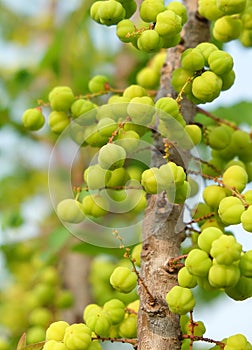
(115, 308)
(149, 41)
(40, 316)
(220, 62)
(77, 337)
(98, 83)
(70, 210)
(237, 341)
(219, 137)
(207, 237)
(111, 156)
(99, 322)
(96, 177)
(245, 264)
(227, 28)
(56, 330)
(246, 219)
(230, 210)
(129, 6)
(197, 328)
(181, 79)
(151, 181)
(192, 60)
(198, 262)
(91, 309)
(95, 205)
(35, 334)
(242, 290)
(180, 300)
(194, 133)
(206, 49)
(149, 10)
(209, 9)
(111, 12)
(33, 119)
(134, 91)
(186, 279)
(84, 109)
(54, 345)
(167, 105)
(93, 138)
(179, 9)
(136, 254)
(148, 78)
(118, 178)
(168, 23)
(247, 18)
(246, 37)
(141, 110)
(213, 194)
(230, 7)
(95, 345)
(226, 250)
(129, 140)
(58, 121)
(207, 86)
(235, 177)
(61, 98)
(124, 29)
(223, 276)
(227, 80)
(128, 327)
(123, 279)
(94, 11)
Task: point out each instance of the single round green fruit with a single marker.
(245, 264)
(198, 262)
(192, 60)
(197, 328)
(111, 156)
(125, 30)
(227, 28)
(226, 250)
(235, 177)
(136, 254)
(98, 83)
(99, 322)
(180, 300)
(77, 337)
(84, 109)
(134, 91)
(168, 23)
(237, 341)
(207, 237)
(220, 62)
(56, 330)
(96, 177)
(246, 219)
(179, 9)
(54, 345)
(231, 7)
(128, 327)
(149, 41)
(194, 133)
(230, 210)
(115, 308)
(111, 12)
(61, 98)
(207, 86)
(58, 121)
(209, 9)
(40, 316)
(33, 119)
(123, 279)
(95, 205)
(213, 194)
(186, 279)
(149, 9)
(219, 137)
(70, 210)
(223, 276)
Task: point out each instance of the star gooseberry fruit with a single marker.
(61, 98)
(33, 119)
(111, 156)
(123, 279)
(180, 300)
(70, 210)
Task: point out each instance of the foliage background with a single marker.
(46, 43)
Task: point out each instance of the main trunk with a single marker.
(163, 229)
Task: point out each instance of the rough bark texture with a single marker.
(158, 329)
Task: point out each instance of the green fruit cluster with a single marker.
(168, 20)
(231, 19)
(218, 263)
(205, 71)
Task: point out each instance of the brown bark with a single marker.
(158, 328)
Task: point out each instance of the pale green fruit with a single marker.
(33, 119)
(61, 98)
(227, 28)
(207, 86)
(111, 156)
(220, 62)
(223, 276)
(235, 177)
(246, 219)
(180, 300)
(226, 250)
(56, 330)
(213, 194)
(207, 237)
(230, 210)
(70, 210)
(198, 262)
